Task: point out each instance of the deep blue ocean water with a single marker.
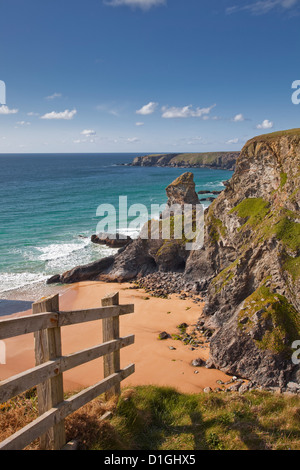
(49, 203)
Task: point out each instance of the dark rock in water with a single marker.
(54, 279)
(113, 241)
(88, 272)
(210, 199)
(209, 192)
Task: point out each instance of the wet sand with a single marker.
(155, 362)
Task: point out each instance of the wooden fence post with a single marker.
(111, 330)
(51, 392)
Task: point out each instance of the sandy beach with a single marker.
(154, 361)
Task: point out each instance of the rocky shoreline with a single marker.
(216, 160)
(247, 269)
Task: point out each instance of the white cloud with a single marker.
(67, 115)
(23, 123)
(266, 124)
(132, 140)
(262, 7)
(139, 124)
(144, 4)
(238, 118)
(32, 114)
(232, 141)
(88, 132)
(147, 109)
(52, 97)
(5, 110)
(194, 141)
(185, 112)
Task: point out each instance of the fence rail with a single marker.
(46, 322)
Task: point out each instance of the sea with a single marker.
(49, 210)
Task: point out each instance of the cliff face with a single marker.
(251, 263)
(144, 256)
(221, 160)
(249, 266)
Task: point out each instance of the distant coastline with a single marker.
(216, 160)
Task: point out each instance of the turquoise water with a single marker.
(49, 203)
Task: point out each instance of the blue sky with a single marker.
(146, 75)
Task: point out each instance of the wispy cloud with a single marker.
(88, 132)
(185, 112)
(262, 7)
(6, 110)
(66, 115)
(132, 140)
(23, 123)
(147, 109)
(52, 97)
(266, 124)
(238, 118)
(144, 4)
(139, 124)
(232, 141)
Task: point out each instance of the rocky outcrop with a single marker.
(88, 272)
(221, 160)
(182, 191)
(112, 241)
(143, 256)
(248, 268)
(250, 263)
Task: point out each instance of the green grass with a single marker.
(283, 179)
(282, 223)
(161, 418)
(225, 276)
(288, 232)
(275, 135)
(282, 319)
(292, 265)
(200, 158)
(254, 210)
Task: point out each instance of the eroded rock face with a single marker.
(182, 191)
(115, 241)
(142, 256)
(251, 262)
(223, 160)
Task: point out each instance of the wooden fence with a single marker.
(46, 322)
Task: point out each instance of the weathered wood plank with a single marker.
(32, 431)
(82, 316)
(32, 323)
(32, 377)
(51, 391)
(29, 324)
(110, 331)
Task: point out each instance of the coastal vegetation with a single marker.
(161, 418)
(222, 160)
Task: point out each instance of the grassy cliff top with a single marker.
(276, 135)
